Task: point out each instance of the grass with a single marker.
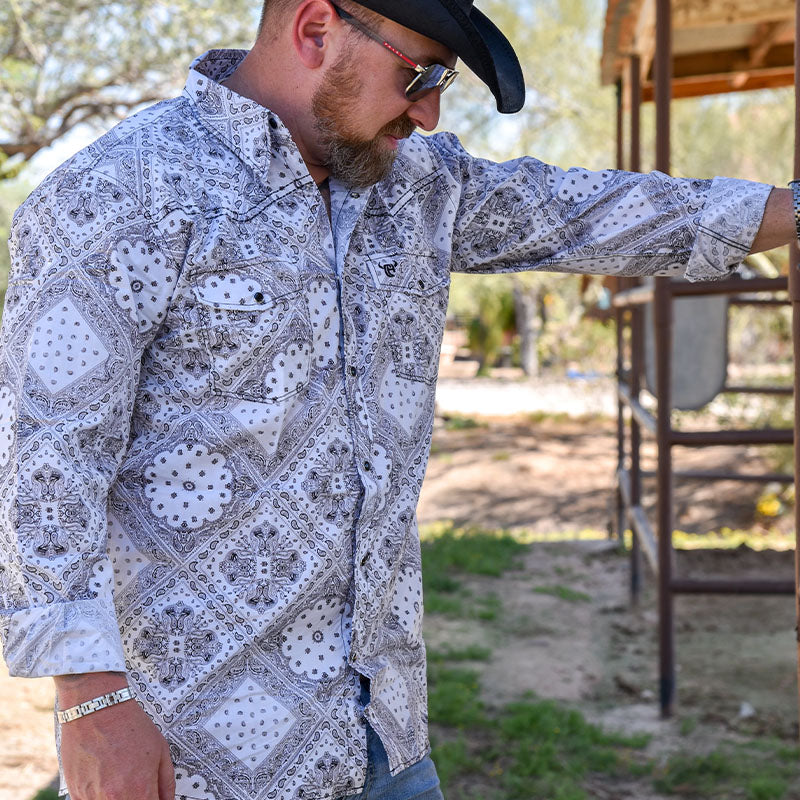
(449, 553)
(530, 750)
(46, 794)
(470, 653)
(447, 548)
(563, 593)
(687, 726)
(761, 770)
(457, 422)
(729, 539)
(536, 749)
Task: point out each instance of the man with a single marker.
(220, 346)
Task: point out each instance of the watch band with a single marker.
(795, 187)
(95, 704)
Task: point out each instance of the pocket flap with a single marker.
(413, 273)
(243, 291)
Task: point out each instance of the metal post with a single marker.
(636, 113)
(620, 127)
(637, 336)
(662, 76)
(620, 318)
(794, 294)
(663, 337)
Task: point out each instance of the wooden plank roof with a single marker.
(718, 45)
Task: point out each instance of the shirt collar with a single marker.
(252, 131)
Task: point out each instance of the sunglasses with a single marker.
(434, 76)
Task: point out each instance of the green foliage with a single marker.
(756, 769)
(46, 794)
(568, 118)
(448, 553)
(491, 325)
(485, 306)
(451, 757)
(687, 725)
(469, 653)
(532, 749)
(457, 422)
(454, 697)
(447, 549)
(12, 194)
(563, 593)
(67, 63)
(554, 747)
(748, 135)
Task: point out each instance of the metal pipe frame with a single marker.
(794, 294)
(641, 416)
(644, 294)
(640, 525)
(728, 586)
(778, 390)
(662, 319)
(713, 438)
(629, 304)
(720, 475)
(619, 316)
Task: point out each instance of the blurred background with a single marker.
(70, 69)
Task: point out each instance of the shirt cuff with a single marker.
(62, 638)
(730, 220)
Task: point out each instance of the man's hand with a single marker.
(116, 753)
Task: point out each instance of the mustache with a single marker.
(401, 128)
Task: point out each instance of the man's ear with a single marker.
(314, 21)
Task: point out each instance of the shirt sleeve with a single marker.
(527, 215)
(89, 285)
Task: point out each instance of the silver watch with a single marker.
(95, 704)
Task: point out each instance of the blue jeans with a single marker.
(417, 782)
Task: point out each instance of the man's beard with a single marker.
(352, 160)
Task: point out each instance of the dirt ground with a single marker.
(735, 655)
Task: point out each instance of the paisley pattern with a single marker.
(216, 412)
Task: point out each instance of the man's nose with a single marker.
(424, 113)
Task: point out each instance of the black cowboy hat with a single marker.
(457, 24)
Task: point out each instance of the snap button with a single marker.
(258, 297)
(364, 559)
(421, 284)
(273, 123)
(353, 371)
(367, 466)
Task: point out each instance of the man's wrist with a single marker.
(79, 688)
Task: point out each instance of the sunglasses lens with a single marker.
(435, 76)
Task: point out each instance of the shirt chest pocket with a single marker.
(256, 330)
(413, 294)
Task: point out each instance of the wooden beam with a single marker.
(724, 84)
(730, 62)
(691, 14)
(767, 34)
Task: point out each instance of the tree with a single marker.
(67, 63)
(567, 120)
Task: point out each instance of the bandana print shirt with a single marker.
(216, 409)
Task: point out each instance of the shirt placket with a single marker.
(347, 207)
